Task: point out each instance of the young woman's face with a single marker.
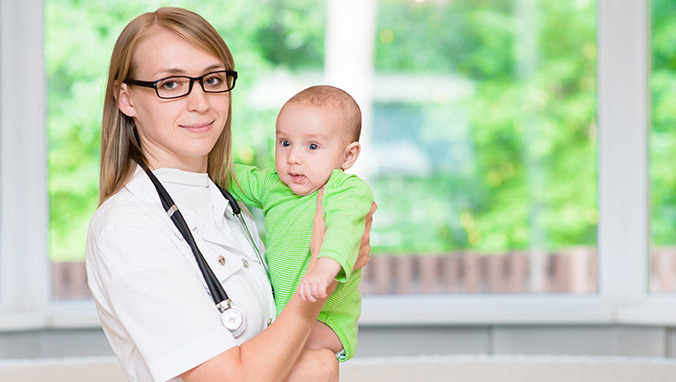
(176, 133)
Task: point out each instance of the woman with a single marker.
(168, 109)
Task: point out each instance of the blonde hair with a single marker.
(120, 145)
(325, 95)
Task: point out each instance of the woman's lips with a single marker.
(197, 127)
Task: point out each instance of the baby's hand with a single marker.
(312, 287)
(315, 282)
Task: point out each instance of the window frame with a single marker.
(623, 234)
(24, 216)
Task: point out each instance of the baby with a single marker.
(317, 137)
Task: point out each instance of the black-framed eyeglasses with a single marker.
(180, 86)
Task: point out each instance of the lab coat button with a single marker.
(245, 262)
(221, 260)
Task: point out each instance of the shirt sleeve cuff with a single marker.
(346, 268)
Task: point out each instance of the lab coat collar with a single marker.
(219, 203)
(141, 186)
(223, 234)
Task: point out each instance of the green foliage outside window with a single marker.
(513, 164)
(663, 122)
(531, 179)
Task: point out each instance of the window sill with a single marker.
(416, 310)
(484, 310)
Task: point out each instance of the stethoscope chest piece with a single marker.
(233, 318)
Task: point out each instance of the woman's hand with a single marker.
(316, 241)
(318, 227)
(365, 248)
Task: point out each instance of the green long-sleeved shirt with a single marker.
(288, 225)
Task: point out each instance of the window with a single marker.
(482, 146)
(485, 140)
(23, 194)
(616, 47)
(663, 148)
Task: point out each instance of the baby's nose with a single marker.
(294, 156)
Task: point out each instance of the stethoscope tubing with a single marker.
(218, 294)
(232, 317)
(238, 213)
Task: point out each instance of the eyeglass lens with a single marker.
(173, 87)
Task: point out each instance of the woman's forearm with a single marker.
(270, 355)
(276, 349)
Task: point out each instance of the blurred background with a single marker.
(480, 140)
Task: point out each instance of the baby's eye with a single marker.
(284, 143)
(313, 146)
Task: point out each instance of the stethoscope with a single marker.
(232, 317)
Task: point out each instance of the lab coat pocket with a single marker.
(232, 247)
(224, 263)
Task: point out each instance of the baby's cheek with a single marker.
(323, 178)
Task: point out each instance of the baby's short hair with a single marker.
(325, 95)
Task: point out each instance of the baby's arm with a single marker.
(316, 280)
(347, 202)
(248, 185)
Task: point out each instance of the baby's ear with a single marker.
(351, 154)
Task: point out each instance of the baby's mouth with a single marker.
(297, 178)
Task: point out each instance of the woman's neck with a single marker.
(185, 164)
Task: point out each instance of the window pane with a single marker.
(663, 147)
(486, 140)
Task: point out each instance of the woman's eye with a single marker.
(173, 84)
(169, 84)
(212, 81)
(313, 146)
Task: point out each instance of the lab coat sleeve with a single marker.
(250, 185)
(148, 293)
(347, 201)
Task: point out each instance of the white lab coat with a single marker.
(152, 300)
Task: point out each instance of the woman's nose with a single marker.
(197, 98)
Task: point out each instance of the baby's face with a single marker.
(311, 143)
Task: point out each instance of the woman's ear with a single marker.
(351, 154)
(124, 101)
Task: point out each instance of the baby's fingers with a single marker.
(305, 293)
(314, 289)
(321, 293)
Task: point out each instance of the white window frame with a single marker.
(623, 237)
(24, 278)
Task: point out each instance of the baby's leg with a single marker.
(323, 337)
